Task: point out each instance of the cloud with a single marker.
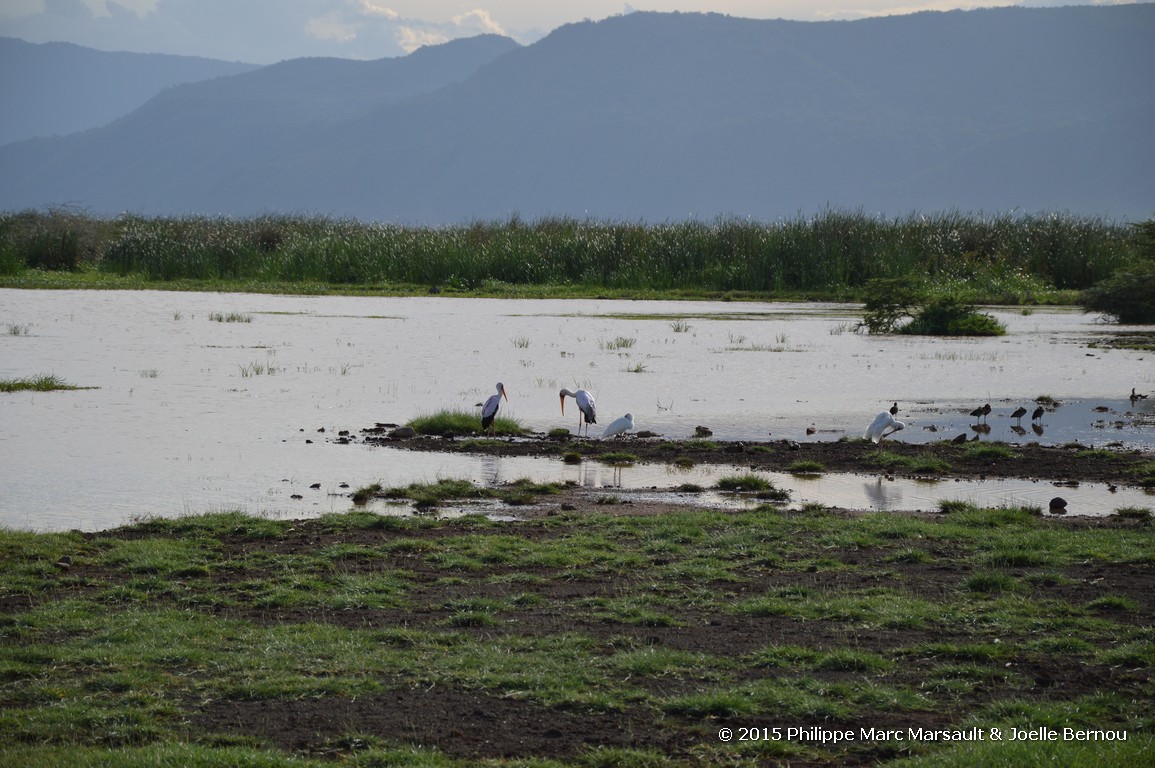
(373, 9)
(917, 6)
(412, 38)
(411, 34)
(479, 19)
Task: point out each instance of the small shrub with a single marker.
(891, 301)
(1128, 296)
(949, 316)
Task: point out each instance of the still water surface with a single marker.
(191, 414)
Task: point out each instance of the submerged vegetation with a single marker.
(834, 254)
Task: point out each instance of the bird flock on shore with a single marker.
(886, 423)
(587, 412)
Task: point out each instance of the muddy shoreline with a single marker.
(1070, 464)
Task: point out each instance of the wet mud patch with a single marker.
(459, 723)
(1029, 461)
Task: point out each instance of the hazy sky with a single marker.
(266, 31)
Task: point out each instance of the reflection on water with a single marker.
(656, 482)
(193, 414)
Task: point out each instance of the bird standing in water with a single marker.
(982, 411)
(585, 404)
(489, 410)
(1019, 413)
(1038, 414)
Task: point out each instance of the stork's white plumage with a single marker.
(489, 410)
(619, 426)
(884, 424)
(585, 404)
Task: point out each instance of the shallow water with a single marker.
(193, 415)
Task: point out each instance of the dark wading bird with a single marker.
(585, 404)
(884, 424)
(489, 410)
(1136, 396)
(894, 409)
(982, 411)
(1038, 414)
(1019, 413)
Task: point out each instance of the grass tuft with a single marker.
(455, 423)
(45, 382)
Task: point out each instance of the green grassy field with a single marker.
(580, 639)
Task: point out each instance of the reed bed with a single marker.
(1010, 258)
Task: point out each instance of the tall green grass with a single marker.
(1001, 258)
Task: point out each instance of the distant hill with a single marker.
(652, 117)
(54, 89)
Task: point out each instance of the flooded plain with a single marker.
(203, 401)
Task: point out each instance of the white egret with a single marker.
(884, 424)
(585, 404)
(619, 426)
(489, 410)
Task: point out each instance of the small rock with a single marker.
(403, 433)
(315, 486)
(700, 431)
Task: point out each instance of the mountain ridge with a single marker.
(665, 116)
